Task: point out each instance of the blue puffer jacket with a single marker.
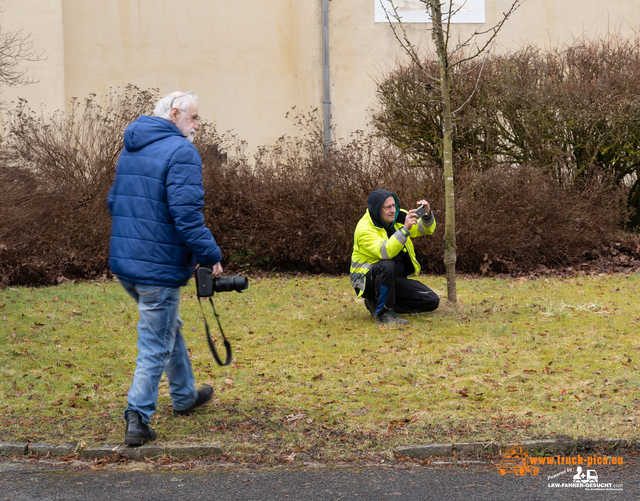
(158, 232)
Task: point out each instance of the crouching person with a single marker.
(383, 259)
(157, 237)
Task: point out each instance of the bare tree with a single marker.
(449, 57)
(15, 48)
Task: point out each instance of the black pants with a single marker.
(398, 292)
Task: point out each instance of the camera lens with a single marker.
(225, 284)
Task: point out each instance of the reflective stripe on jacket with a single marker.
(371, 245)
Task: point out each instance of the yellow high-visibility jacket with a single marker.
(371, 245)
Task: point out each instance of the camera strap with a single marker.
(227, 345)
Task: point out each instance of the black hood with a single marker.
(376, 201)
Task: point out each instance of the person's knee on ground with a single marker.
(381, 308)
(413, 296)
(385, 285)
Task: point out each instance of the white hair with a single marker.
(178, 99)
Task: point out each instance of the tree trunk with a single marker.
(447, 152)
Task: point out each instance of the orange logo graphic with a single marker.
(516, 460)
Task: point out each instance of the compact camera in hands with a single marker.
(421, 211)
(206, 285)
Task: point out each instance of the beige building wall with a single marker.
(43, 20)
(251, 61)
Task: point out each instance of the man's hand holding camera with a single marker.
(216, 270)
(414, 214)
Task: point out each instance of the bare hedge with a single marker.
(291, 207)
(572, 111)
(54, 177)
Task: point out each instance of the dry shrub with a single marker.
(54, 178)
(571, 110)
(292, 207)
(519, 219)
(297, 209)
(516, 220)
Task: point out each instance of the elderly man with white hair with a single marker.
(158, 236)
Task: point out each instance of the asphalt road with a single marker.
(29, 481)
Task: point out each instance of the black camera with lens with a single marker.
(206, 285)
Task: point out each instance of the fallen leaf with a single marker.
(294, 417)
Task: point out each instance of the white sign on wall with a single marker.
(415, 11)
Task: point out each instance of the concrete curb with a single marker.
(150, 450)
(424, 451)
(419, 451)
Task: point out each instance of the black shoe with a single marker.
(371, 306)
(137, 432)
(204, 395)
(390, 317)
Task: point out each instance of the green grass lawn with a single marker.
(313, 375)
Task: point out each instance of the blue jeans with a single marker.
(161, 348)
